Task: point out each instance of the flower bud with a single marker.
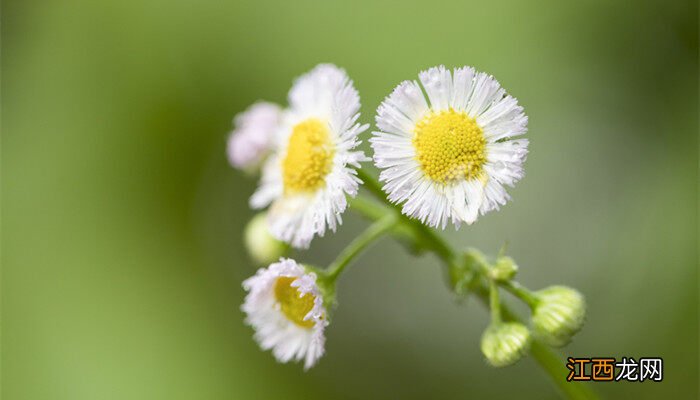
(558, 315)
(504, 269)
(262, 247)
(505, 343)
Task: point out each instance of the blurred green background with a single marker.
(121, 220)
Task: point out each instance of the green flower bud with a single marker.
(262, 247)
(505, 343)
(558, 315)
(504, 270)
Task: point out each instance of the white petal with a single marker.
(438, 84)
(273, 331)
(500, 118)
(463, 84)
(325, 93)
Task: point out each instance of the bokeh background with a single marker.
(121, 220)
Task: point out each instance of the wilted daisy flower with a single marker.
(253, 135)
(449, 159)
(285, 307)
(308, 176)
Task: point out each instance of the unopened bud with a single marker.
(262, 247)
(558, 315)
(505, 343)
(504, 269)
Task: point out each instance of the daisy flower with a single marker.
(285, 307)
(310, 173)
(253, 135)
(448, 157)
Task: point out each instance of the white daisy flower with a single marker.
(308, 176)
(253, 135)
(449, 159)
(285, 307)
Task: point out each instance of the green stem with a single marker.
(549, 361)
(512, 286)
(521, 292)
(374, 211)
(480, 261)
(494, 303)
(552, 364)
(429, 237)
(380, 227)
(371, 184)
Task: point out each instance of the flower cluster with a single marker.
(447, 145)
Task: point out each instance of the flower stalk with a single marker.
(436, 145)
(494, 303)
(429, 240)
(520, 292)
(366, 238)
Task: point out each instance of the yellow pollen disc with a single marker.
(309, 157)
(450, 146)
(293, 307)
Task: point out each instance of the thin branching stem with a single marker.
(366, 238)
(550, 362)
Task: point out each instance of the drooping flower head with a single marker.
(285, 307)
(253, 135)
(448, 157)
(310, 173)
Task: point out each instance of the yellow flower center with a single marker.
(450, 146)
(309, 157)
(292, 305)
